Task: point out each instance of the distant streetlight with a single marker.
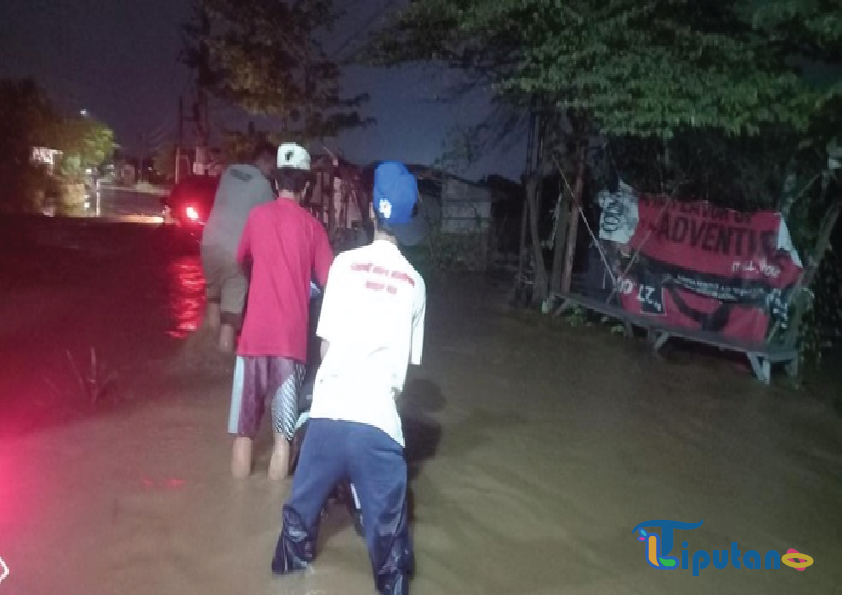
(83, 112)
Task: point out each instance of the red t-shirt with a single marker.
(288, 248)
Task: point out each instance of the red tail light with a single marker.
(191, 213)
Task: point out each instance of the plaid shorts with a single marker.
(257, 379)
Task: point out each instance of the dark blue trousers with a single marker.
(374, 462)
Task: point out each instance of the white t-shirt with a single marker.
(373, 316)
(241, 188)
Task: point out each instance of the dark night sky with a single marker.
(118, 59)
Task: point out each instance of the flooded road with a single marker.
(79, 290)
(127, 203)
(534, 452)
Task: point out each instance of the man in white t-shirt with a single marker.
(372, 328)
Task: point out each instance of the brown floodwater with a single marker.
(535, 450)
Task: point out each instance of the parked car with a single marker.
(190, 202)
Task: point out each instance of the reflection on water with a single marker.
(168, 483)
(187, 295)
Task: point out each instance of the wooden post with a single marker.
(534, 187)
(576, 200)
(530, 158)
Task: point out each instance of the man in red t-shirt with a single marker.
(287, 248)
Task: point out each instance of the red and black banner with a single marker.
(698, 266)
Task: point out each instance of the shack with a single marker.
(461, 212)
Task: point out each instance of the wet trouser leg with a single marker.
(376, 466)
(378, 472)
(321, 464)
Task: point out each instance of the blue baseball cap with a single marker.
(395, 198)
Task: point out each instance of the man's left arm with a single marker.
(418, 316)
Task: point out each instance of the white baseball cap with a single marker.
(293, 156)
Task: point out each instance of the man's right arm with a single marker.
(322, 254)
(265, 193)
(331, 314)
(244, 246)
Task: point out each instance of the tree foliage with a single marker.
(84, 142)
(163, 161)
(618, 67)
(811, 28)
(266, 57)
(28, 121)
(809, 32)
(31, 120)
(712, 97)
(631, 67)
(739, 172)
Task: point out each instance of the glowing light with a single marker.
(192, 213)
(141, 219)
(187, 296)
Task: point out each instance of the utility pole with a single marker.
(142, 154)
(180, 141)
(200, 107)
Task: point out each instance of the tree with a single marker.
(810, 28)
(85, 143)
(617, 67)
(163, 161)
(29, 120)
(266, 57)
(28, 117)
(810, 31)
